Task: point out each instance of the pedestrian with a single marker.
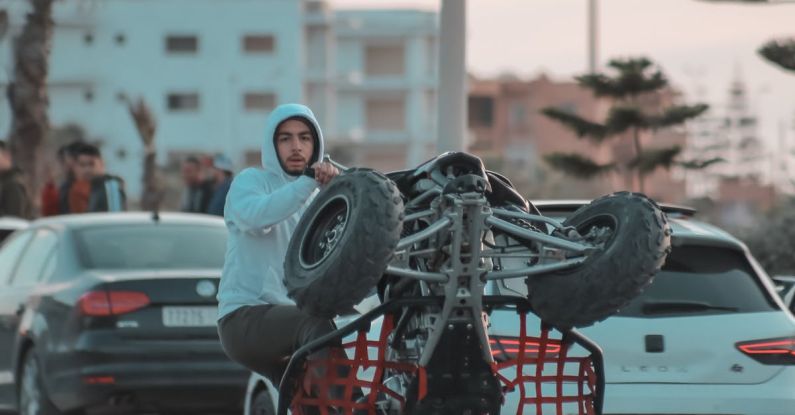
(67, 158)
(223, 172)
(198, 189)
(51, 201)
(259, 325)
(97, 191)
(14, 197)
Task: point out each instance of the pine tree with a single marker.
(634, 78)
(780, 52)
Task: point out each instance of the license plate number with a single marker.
(189, 316)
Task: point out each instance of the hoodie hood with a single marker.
(270, 159)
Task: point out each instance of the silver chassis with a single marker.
(460, 224)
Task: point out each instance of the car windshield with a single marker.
(5, 232)
(152, 246)
(702, 280)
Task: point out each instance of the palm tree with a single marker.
(27, 93)
(146, 125)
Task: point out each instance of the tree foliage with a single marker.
(780, 52)
(634, 79)
(577, 165)
(772, 240)
(582, 127)
(651, 159)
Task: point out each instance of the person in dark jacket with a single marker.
(67, 156)
(105, 191)
(199, 190)
(14, 198)
(55, 195)
(223, 172)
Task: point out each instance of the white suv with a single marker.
(708, 336)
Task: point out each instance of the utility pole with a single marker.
(452, 102)
(593, 35)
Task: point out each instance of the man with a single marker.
(259, 326)
(14, 199)
(54, 195)
(198, 190)
(94, 190)
(223, 170)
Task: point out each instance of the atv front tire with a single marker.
(343, 242)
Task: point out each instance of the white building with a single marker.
(386, 85)
(211, 71)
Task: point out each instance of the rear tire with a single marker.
(634, 249)
(32, 398)
(343, 243)
(262, 404)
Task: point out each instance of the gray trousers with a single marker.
(263, 337)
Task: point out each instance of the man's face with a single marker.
(88, 167)
(5, 160)
(294, 145)
(191, 173)
(68, 164)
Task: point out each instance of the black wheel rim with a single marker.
(325, 232)
(599, 230)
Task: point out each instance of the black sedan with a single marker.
(115, 312)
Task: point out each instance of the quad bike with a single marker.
(431, 242)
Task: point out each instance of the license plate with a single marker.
(190, 316)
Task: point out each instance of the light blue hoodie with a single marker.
(262, 210)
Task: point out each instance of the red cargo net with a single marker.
(334, 393)
(548, 380)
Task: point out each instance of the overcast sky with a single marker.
(695, 42)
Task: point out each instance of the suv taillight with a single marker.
(779, 351)
(106, 303)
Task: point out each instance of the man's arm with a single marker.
(250, 206)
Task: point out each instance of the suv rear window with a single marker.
(152, 247)
(702, 280)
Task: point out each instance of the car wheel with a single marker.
(262, 404)
(33, 398)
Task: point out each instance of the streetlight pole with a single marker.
(593, 35)
(452, 101)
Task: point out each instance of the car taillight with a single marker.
(779, 351)
(106, 303)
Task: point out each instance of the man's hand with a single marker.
(324, 172)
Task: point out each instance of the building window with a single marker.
(385, 60)
(259, 43)
(259, 101)
(183, 101)
(385, 114)
(182, 44)
(481, 111)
